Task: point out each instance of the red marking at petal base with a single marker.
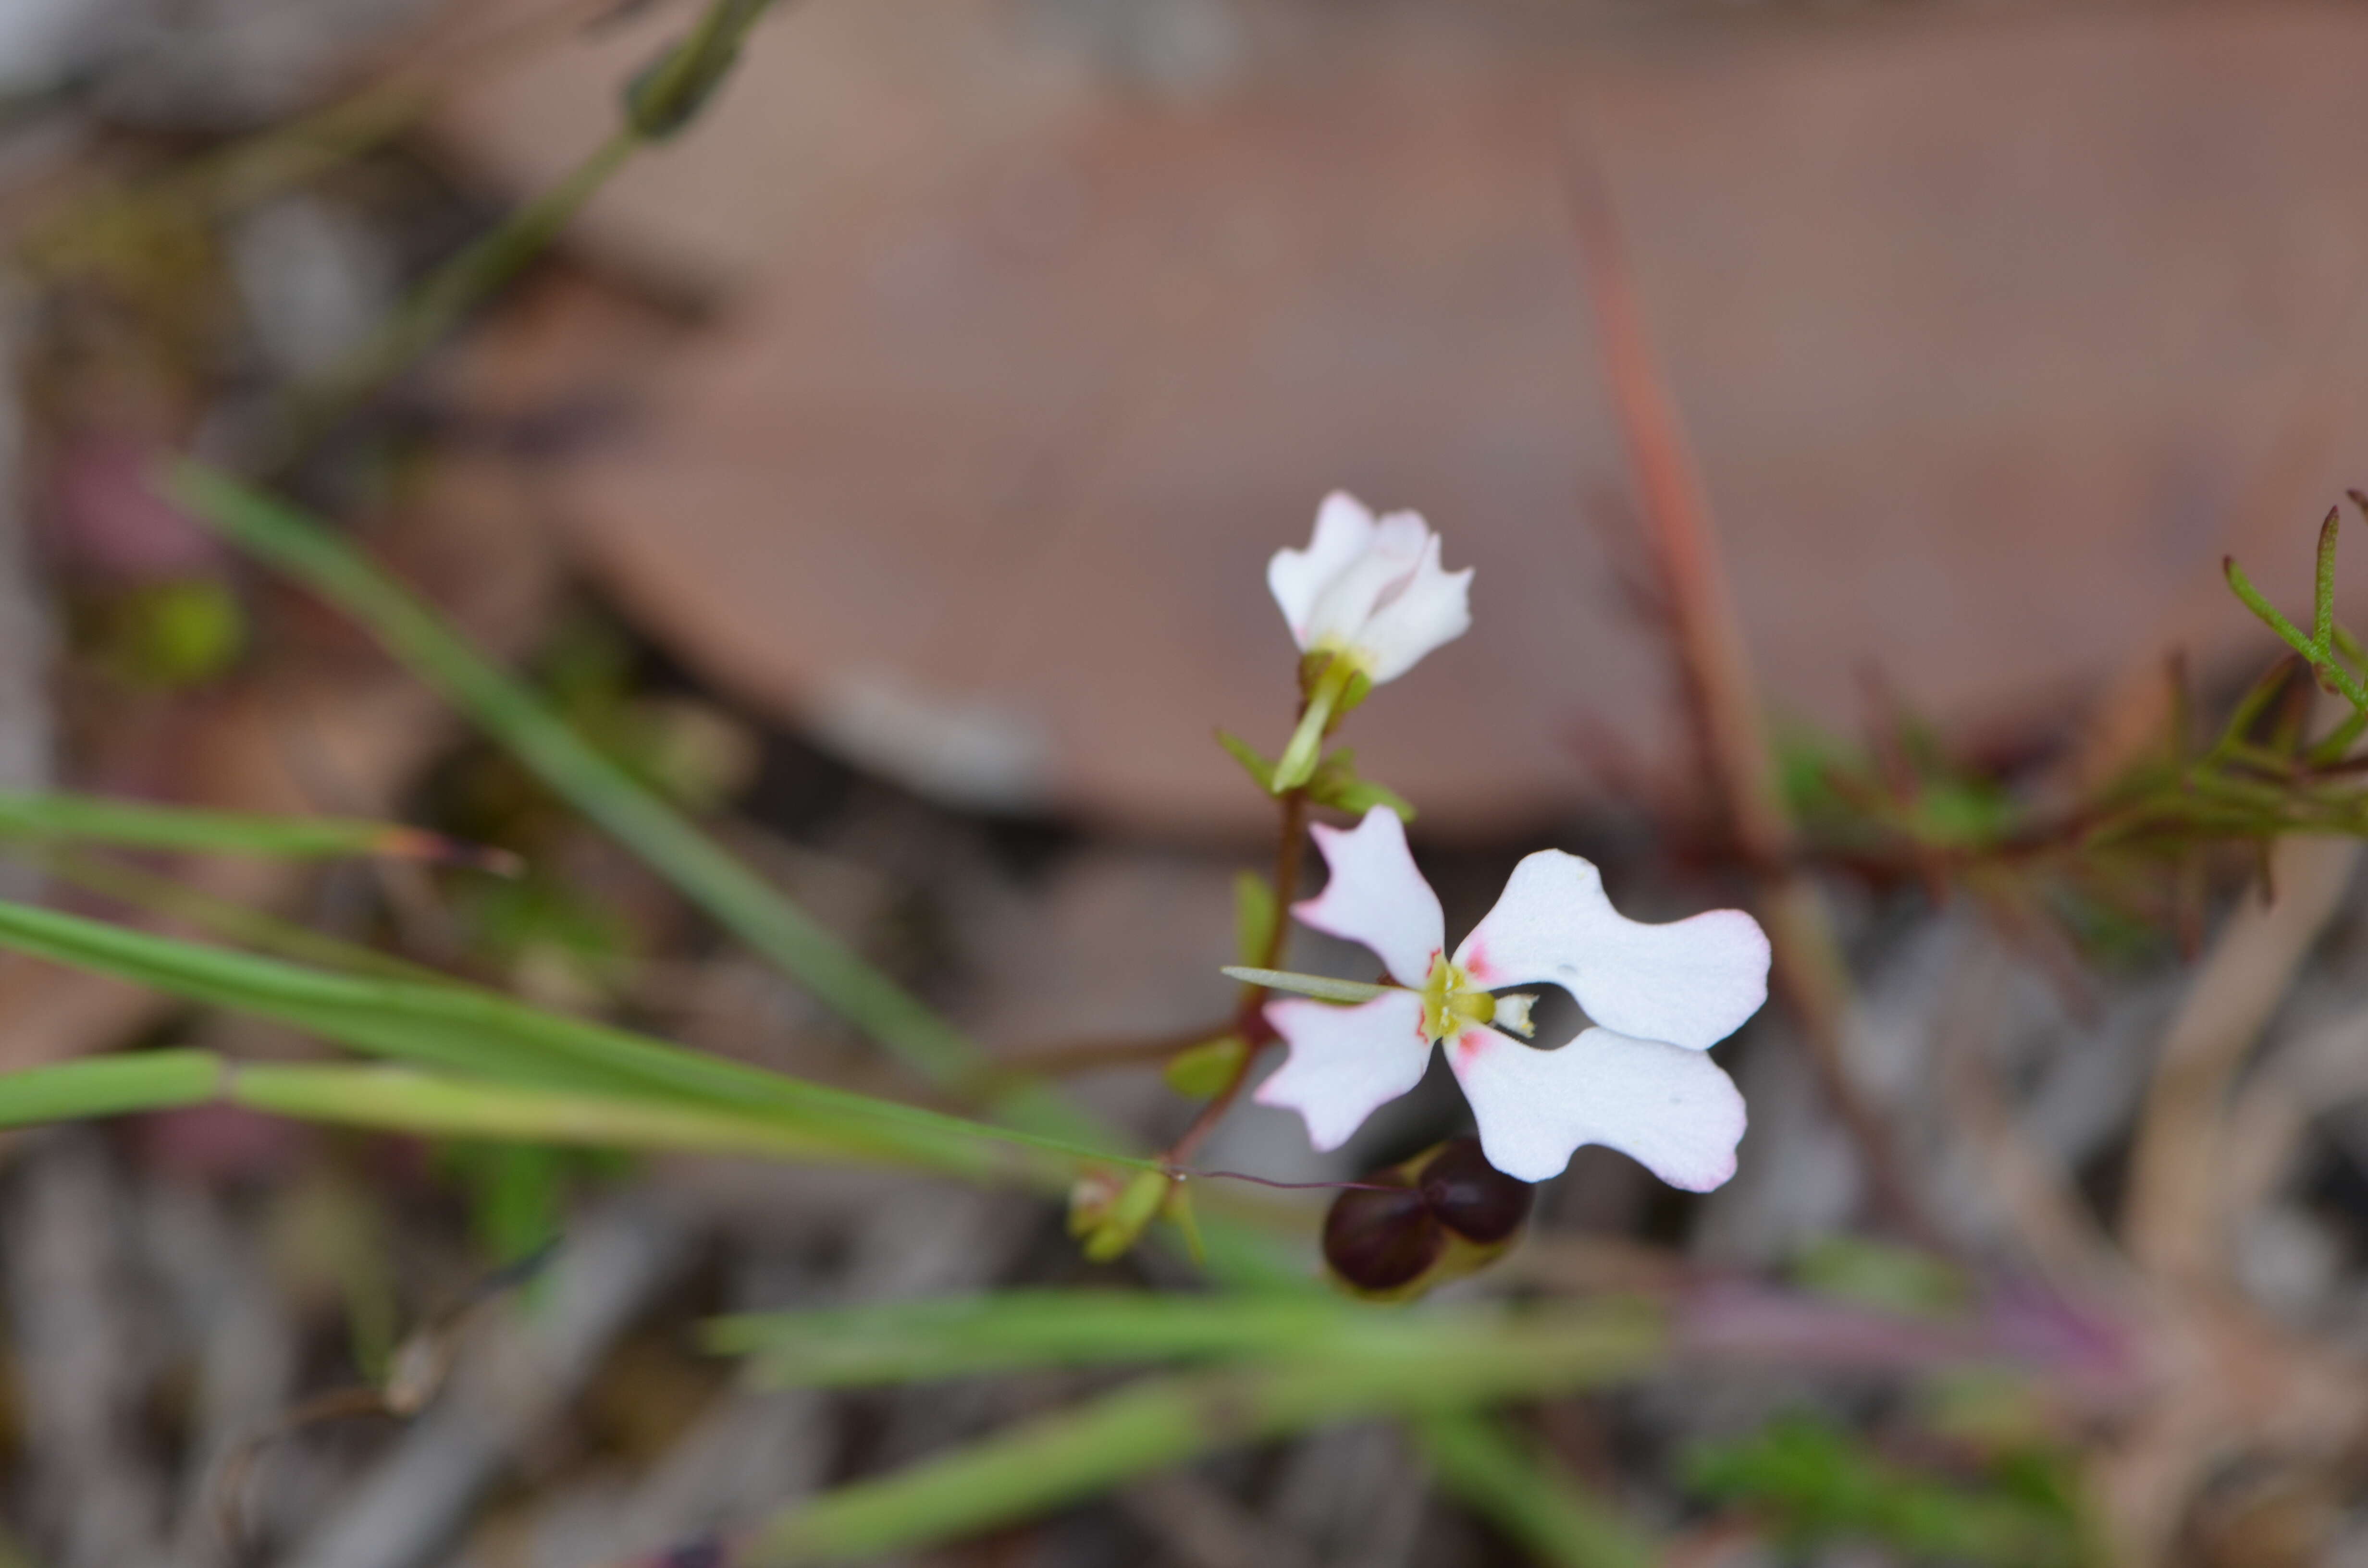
(1470, 1044)
(1475, 964)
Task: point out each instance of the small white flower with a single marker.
(1370, 592)
(1640, 1081)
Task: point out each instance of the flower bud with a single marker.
(1379, 1240)
(1472, 1198)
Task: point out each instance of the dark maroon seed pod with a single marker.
(1378, 1239)
(1472, 1198)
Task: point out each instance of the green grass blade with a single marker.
(735, 896)
(224, 918)
(108, 1086)
(140, 825)
(479, 1033)
(399, 1100)
(1476, 1461)
(395, 1099)
(1063, 1457)
(913, 1341)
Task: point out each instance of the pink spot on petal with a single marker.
(1471, 1043)
(1475, 964)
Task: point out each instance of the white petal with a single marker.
(1377, 898)
(1673, 1110)
(1345, 1061)
(1295, 577)
(1427, 609)
(1378, 573)
(1691, 983)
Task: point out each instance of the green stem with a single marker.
(437, 305)
(2321, 657)
(142, 825)
(1297, 765)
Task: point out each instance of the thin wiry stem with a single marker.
(1250, 1019)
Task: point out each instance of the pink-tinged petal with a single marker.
(1674, 1111)
(1345, 1061)
(1424, 611)
(1377, 898)
(1297, 578)
(1690, 983)
(1347, 604)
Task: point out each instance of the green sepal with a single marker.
(1336, 784)
(1109, 1218)
(1353, 689)
(1260, 771)
(1256, 913)
(1199, 1071)
(1178, 1212)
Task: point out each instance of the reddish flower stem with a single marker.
(1729, 723)
(1249, 1018)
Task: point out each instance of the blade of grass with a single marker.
(224, 918)
(699, 867)
(395, 1099)
(390, 1099)
(458, 1029)
(140, 825)
(1163, 1421)
(108, 1086)
(904, 1342)
(1479, 1463)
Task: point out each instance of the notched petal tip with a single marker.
(1673, 1110)
(1692, 981)
(1376, 897)
(1345, 1062)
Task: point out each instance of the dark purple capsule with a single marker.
(1380, 1239)
(1472, 1198)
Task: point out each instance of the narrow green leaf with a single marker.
(738, 899)
(1316, 985)
(1199, 1071)
(1260, 771)
(396, 1099)
(1159, 1422)
(139, 824)
(1516, 1489)
(2322, 595)
(2337, 678)
(963, 1335)
(107, 1085)
(222, 918)
(479, 1033)
(1336, 784)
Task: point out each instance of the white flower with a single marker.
(1370, 592)
(1640, 1081)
